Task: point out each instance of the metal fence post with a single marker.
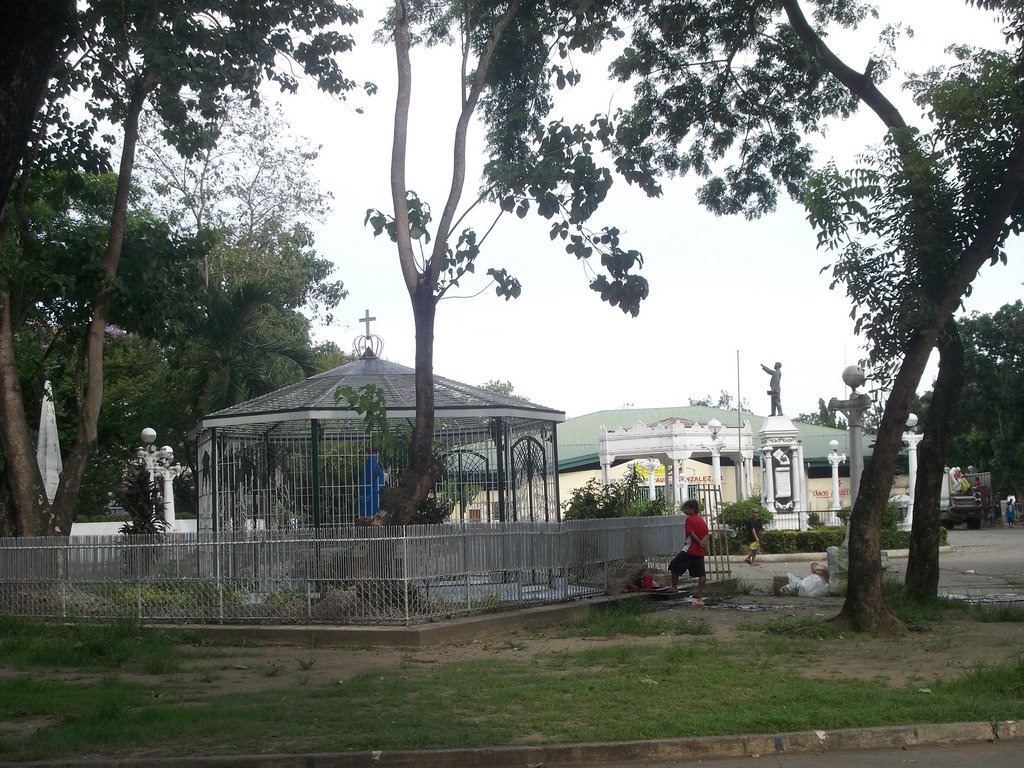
(405, 571)
(220, 578)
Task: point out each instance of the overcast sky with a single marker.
(722, 289)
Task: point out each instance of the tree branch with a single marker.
(399, 146)
(861, 85)
(433, 270)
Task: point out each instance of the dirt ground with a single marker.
(912, 658)
(946, 649)
(977, 563)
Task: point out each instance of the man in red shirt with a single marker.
(691, 558)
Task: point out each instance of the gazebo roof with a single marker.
(314, 398)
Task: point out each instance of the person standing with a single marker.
(754, 528)
(1011, 518)
(691, 557)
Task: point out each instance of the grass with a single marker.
(631, 617)
(93, 646)
(730, 588)
(814, 628)
(620, 689)
(999, 613)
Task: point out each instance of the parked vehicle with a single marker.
(966, 498)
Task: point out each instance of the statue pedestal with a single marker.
(782, 469)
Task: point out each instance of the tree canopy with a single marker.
(508, 77)
(731, 91)
(989, 428)
(181, 59)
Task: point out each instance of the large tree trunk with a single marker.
(30, 41)
(922, 580)
(865, 609)
(402, 503)
(29, 508)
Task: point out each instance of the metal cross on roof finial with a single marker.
(369, 344)
(367, 319)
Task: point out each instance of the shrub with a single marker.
(735, 514)
(820, 539)
(891, 517)
(627, 497)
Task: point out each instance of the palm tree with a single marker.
(244, 346)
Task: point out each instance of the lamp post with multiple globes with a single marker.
(158, 462)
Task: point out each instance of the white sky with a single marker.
(722, 289)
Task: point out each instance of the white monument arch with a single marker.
(673, 441)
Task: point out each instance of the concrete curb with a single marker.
(458, 630)
(798, 557)
(754, 745)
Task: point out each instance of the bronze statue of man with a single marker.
(773, 387)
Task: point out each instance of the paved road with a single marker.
(985, 562)
(1003, 754)
(976, 564)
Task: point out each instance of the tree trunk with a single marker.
(865, 609)
(402, 503)
(30, 41)
(922, 580)
(29, 507)
(90, 394)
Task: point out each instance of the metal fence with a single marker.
(352, 575)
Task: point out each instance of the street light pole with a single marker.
(912, 439)
(714, 427)
(835, 458)
(157, 461)
(651, 466)
(853, 408)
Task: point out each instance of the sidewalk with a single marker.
(621, 754)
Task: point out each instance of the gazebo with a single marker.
(302, 456)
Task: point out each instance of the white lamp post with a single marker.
(651, 465)
(157, 462)
(835, 458)
(714, 427)
(854, 408)
(912, 439)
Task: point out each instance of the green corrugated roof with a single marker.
(578, 437)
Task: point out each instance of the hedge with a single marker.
(820, 539)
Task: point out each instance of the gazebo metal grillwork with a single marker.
(299, 456)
